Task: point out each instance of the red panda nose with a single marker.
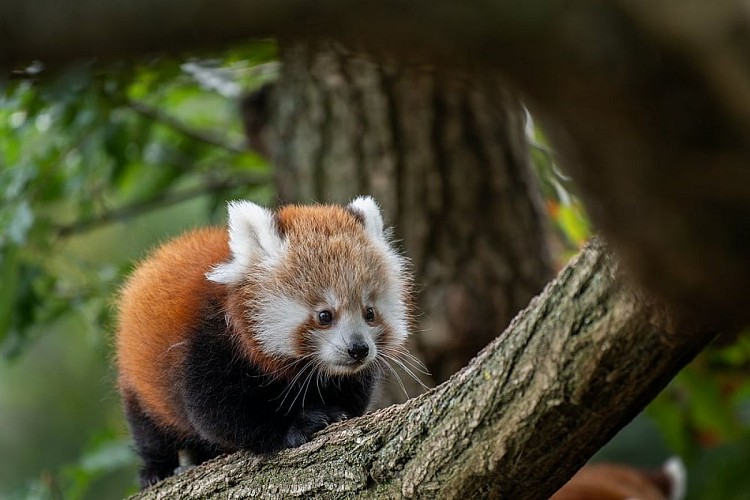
(358, 350)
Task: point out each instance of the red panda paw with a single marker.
(310, 422)
(295, 437)
(150, 475)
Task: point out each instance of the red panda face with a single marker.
(320, 284)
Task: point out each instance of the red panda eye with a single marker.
(369, 314)
(325, 317)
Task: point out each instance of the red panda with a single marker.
(257, 337)
(619, 482)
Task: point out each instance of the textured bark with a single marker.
(517, 422)
(648, 100)
(440, 153)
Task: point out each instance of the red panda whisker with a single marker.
(395, 373)
(317, 375)
(415, 365)
(277, 374)
(406, 369)
(291, 385)
(280, 372)
(388, 361)
(401, 351)
(413, 362)
(292, 364)
(305, 385)
(406, 357)
(299, 375)
(317, 385)
(398, 378)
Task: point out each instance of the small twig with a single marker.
(157, 115)
(165, 200)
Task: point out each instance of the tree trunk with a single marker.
(517, 422)
(447, 159)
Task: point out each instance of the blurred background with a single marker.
(100, 163)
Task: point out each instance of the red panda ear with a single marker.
(368, 209)
(674, 469)
(252, 238)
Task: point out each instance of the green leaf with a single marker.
(670, 419)
(709, 410)
(574, 224)
(9, 277)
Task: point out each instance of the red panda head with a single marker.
(318, 283)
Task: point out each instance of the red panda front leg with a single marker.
(156, 446)
(311, 421)
(232, 404)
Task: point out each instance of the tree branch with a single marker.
(571, 370)
(206, 137)
(164, 200)
(37, 30)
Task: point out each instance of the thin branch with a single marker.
(206, 137)
(167, 199)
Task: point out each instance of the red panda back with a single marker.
(158, 306)
(613, 482)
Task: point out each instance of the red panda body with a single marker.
(159, 306)
(606, 481)
(222, 333)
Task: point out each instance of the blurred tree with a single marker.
(439, 152)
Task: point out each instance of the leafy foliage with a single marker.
(86, 154)
(100, 153)
(95, 145)
(565, 210)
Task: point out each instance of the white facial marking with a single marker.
(278, 318)
(331, 301)
(392, 310)
(252, 239)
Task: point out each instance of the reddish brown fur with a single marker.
(236, 306)
(302, 341)
(610, 482)
(158, 305)
(307, 228)
(161, 302)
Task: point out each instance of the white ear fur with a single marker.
(368, 208)
(252, 238)
(675, 470)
